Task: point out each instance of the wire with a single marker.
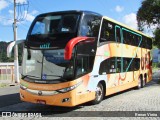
(6, 26)
(22, 11)
(5, 18)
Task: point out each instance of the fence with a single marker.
(7, 71)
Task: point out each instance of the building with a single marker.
(7, 71)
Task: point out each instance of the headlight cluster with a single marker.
(69, 88)
(64, 90)
(23, 87)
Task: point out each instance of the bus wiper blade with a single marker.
(24, 76)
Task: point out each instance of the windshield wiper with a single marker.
(24, 76)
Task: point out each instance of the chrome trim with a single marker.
(47, 93)
(43, 93)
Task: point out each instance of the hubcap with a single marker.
(99, 93)
(144, 82)
(139, 83)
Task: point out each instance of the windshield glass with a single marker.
(46, 65)
(53, 24)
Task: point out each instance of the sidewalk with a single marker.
(5, 83)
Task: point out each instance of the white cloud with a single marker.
(119, 8)
(11, 11)
(5, 21)
(149, 30)
(3, 4)
(34, 12)
(130, 20)
(30, 16)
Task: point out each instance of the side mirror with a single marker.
(29, 54)
(70, 45)
(11, 45)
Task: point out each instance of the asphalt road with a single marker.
(9, 96)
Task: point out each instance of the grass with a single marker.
(2, 85)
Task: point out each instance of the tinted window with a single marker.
(131, 38)
(131, 64)
(146, 43)
(118, 34)
(119, 64)
(136, 64)
(53, 24)
(137, 40)
(107, 31)
(149, 43)
(84, 64)
(90, 26)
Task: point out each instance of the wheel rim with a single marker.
(144, 82)
(99, 93)
(139, 83)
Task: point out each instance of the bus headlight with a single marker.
(23, 87)
(69, 88)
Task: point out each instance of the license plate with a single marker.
(41, 101)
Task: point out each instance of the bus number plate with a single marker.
(41, 101)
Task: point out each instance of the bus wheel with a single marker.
(99, 94)
(140, 83)
(144, 81)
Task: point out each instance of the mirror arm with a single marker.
(70, 45)
(11, 46)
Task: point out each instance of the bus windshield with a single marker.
(46, 66)
(54, 24)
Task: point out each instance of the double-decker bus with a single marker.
(72, 57)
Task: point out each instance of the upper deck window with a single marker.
(53, 24)
(90, 25)
(108, 32)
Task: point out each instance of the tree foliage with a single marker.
(3, 53)
(149, 14)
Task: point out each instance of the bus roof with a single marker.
(72, 11)
(112, 20)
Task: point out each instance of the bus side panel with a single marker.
(83, 93)
(121, 81)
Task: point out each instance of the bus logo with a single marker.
(44, 46)
(44, 77)
(39, 92)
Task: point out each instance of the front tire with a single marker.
(99, 95)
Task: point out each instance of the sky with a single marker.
(123, 11)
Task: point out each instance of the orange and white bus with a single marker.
(72, 57)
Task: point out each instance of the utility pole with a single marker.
(16, 65)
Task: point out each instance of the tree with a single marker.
(149, 14)
(3, 53)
